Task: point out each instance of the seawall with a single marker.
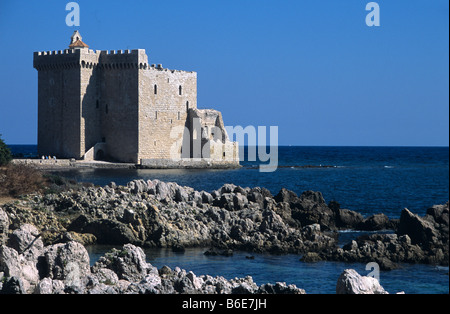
(50, 164)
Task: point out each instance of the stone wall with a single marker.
(164, 98)
(136, 110)
(118, 104)
(59, 125)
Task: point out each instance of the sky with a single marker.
(315, 69)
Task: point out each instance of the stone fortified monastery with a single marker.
(114, 105)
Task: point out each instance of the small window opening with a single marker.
(180, 90)
(156, 89)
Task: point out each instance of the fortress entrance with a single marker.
(100, 155)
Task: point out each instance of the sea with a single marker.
(368, 180)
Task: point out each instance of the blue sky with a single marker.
(312, 68)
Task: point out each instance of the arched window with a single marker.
(156, 89)
(180, 90)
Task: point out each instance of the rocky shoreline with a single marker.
(165, 215)
(29, 267)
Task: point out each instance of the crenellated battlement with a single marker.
(122, 52)
(104, 59)
(120, 104)
(65, 59)
(66, 52)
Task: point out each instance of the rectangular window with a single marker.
(156, 115)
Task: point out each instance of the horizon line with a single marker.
(296, 145)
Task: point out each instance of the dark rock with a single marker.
(375, 222)
(347, 219)
(419, 230)
(206, 197)
(279, 288)
(286, 196)
(386, 264)
(219, 252)
(178, 248)
(109, 231)
(14, 285)
(226, 201)
(239, 201)
(334, 206)
(439, 213)
(311, 257)
(227, 188)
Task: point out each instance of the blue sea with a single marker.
(369, 180)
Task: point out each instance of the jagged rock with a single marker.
(13, 264)
(218, 252)
(68, 262)
(310, 208)
(439, 213)
(348, 219)
(206, 197)
(14, 285)
(420, 231)
(280, 288)
(286, 196)
(129, 263)
(10, 262)
(4, 225)
(311, 257)
(26, 240)
(350, 282)
(109, 231)
(50, 286)
(159, 214)
(375, 222)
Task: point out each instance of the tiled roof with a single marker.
(78, 43)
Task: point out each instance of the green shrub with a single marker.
(5, 153)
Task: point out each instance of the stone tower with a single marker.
(114, 105)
